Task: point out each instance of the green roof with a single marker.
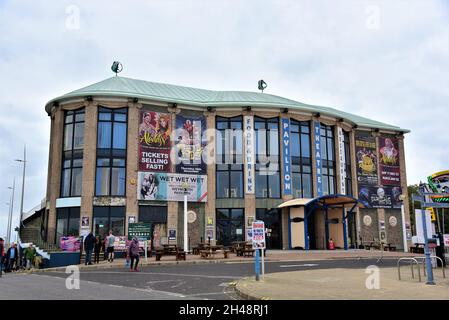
(132, 88)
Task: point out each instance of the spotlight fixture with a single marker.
(355, 126)
(285, 110)
(135, 100)
(173, 105)
(209, 108)
(317, 114)
(55, 104)
(89, 98)
(377, 130)
(248, 108)
(341, 120)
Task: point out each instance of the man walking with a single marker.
(89, 243)
(2, 255)
(110, 246)
(29, 254)
(12, 255)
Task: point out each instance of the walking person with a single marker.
(30, 254)
(2, 255)
(89, 247)
(110, 246)
(97, 249)
(134, 253)
(12, 255)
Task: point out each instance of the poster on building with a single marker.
(389, 161)
(366, 154)
(258, 235)
(85, 226)
(141, 230)
(380, 197)
(171, 234)
(154, 141)
(121, 243)
(318, 163)
(342, 156)
(70, 244)
(190, 143)
(446, 240)
(171, 187)
(249, 154)
(287, 185)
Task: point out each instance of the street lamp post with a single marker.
(24, 160)
(11, 209)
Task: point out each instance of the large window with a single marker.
(229, 157)
(111, 152)
(273, 224)
(72, 162)
(301, 159)
(67, 222)
(109, 218)
(230, 226)
(267, 158)
(348, 180)
(328, 162)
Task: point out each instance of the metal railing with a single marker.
(424, 264)
(411, 266)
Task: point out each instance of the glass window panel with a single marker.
(66, 164)
(323, 146)
(296, 185)
(120, 117)
(274, 185)
(330, 149)
(305, 128)
(259, 125)
(306, 169)
(118, 182)
(261, 186)
(272, 127)
(305, 145)
(331, 185)
(65, 183)
(68, 136)
(118, 162)
(103, 162)
(325, 185)
(74, 227)
(118, 226)
(104, 116)
(222, 125)
(294, 145)
(223, 214)
(77, 177)
(294, 127)
(307, 185)
(78, 141)
(237, 214)
(104, 135)
(119, 136)
(77, 162)
(274, 142)
(79, 117)
(296, 168)
(236, 188)
(101, 226)
(222, 184)
(102, 182)
(61, 228)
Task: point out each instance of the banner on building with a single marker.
(286, 156)
(70, 244)
(249, 154)
(154, 141)
(389, 161)
(190, 142)
(366, 153)
(380, 197)
(318, 159)
(171, 187)
(141, 230)
(342, 168)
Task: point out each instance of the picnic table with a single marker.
(210, 251)
(170, 250)
(246, 250)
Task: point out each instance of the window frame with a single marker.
(299, 163)
(326, 163)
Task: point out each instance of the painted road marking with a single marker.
(299, 265)
(165, 274)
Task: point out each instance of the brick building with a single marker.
(125, 150)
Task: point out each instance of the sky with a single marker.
(385, 60)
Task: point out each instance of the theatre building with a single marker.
(125, 151)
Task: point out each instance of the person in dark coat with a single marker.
(12, 255)
(134, 253)
(97, 248)
(89, 243)
(2, 255)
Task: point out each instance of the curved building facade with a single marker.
(125, 151)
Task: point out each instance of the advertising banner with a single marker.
(286, 156)
(171, 187)
(70, 244)
(141, 230)
(249, 154)
(318, 163)
(154, 141)
(258, 235)
(122, 243)
(380, 197)
(190, 140)
(389, 161)
(342, 168)
(365, 148)
(446, 240)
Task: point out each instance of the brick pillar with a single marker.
(355, 190)
(250, 198)
(132, 162)
(172, 206)
(403, 175)
(54, 172)
(89, 161)
(211, 176)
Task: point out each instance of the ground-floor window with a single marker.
(230, 226)
(109, 218)
(157, 216)
(272, 220)
(67, 222)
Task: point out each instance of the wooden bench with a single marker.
(211, 253)
(248, 252)
(170, 251)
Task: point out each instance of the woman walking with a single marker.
(134, 253)
(97, 248)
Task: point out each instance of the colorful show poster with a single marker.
(171, 187)
(380, 197)
(389, 161)
(190, 141)
(366, 153)
(154, 141)
(70, 243)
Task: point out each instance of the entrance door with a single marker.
(272, 220)
(230, 226)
